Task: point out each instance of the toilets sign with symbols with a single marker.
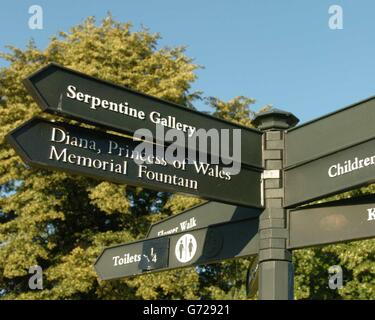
(186, 248)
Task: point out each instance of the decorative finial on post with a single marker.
(275, 119)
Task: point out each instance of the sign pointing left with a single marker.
(201, 216)
(200, 246)
(59, 90)
(77, 150)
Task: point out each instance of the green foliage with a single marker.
(236, 110)
(61, 222)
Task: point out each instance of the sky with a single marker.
(282, 53)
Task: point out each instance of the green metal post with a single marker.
(275, 261)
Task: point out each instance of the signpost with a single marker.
(110, 157)
(201, 216)
(332, 222)
(250, 217)
(326, 156)
(200, 246)
(59, 90)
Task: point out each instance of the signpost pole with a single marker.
(275, 261)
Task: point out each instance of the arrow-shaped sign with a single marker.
(332, 222)
(201, 216)
(326, 156)
(97, 154)
(66, 92)
(200, 246)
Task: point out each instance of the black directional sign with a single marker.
(330, 133)
(97, 154)
(328, 155)
(336, 172)
(199, 246)
(332, 222)
(59, 90)
(134, 258)
(201, 216)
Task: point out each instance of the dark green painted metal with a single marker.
(331, 222)
(201, 216)
(48, 86)
(330, 133)
(311, 181)
(215, 243)
(275, 119)
(276, 279)
(32, 142)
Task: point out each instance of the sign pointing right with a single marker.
(325, 157)
(332, 222)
